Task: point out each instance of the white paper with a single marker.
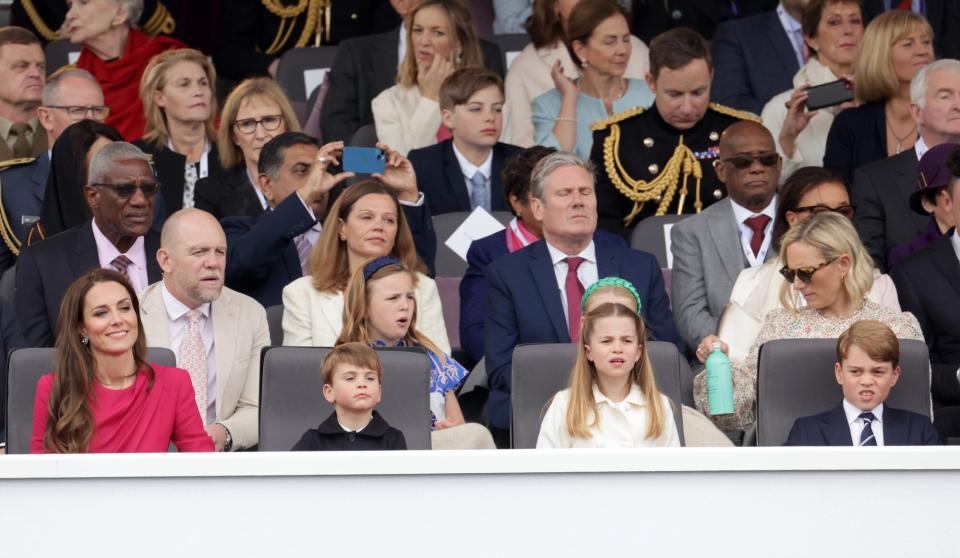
(666, 243)
(511, 56)
(313, 79)
(478, 225)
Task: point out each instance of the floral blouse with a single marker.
(785, 324)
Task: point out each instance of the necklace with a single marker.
(900, 139)
(620, 93)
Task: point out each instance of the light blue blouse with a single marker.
(546, 107)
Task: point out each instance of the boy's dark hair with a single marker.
(271, 156)
(676, 48)
(874, 338)
(356, 354)
(517, 170)
(464, 83)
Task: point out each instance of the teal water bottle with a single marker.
(719, 383)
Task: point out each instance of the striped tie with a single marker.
(866, 436)
(121, 263)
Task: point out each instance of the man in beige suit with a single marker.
(216, 333)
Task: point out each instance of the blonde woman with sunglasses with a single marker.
(823, 259)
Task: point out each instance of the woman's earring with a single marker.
(583, 64)
(84, 339)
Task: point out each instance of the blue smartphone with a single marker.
(364, 160)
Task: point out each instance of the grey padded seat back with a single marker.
(291, 395)
(275, 324)
(365, 136)
(511, 44)
(448, 263)
(24, 369)
(649, 236)
(796, 379)
(540, 371)
(57, 54)
(296, 61)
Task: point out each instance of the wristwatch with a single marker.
(228, 444)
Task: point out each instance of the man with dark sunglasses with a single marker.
(712, 248)
(120, 192)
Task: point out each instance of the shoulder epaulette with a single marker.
(730, 111)
(613, 119)
(4, 165)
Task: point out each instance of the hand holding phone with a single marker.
(829, 94)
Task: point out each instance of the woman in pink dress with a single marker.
(103, 397)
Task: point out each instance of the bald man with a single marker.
(712, 248)
(216, 333)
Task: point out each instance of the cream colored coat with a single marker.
(405, 119)
(240, 331)
(314, 318)
(529, 77)
(811, 142)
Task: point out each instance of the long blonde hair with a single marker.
(155, 79)
(461, 27)
(230, 153)
(356, 300)
(876, 79)
(583, 376)
(832, 235)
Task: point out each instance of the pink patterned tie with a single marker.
(574, 292)
(194, 360)
(121, 263)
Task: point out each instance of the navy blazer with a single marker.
(523, 306)
(441, 180)
(228, 194)
(857, 136)
(47, 268)
(753, 60)
(22, 188)
(900, 428)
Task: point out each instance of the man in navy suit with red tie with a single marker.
(533, 294)
(868, 366)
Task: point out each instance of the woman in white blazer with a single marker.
(366, 221)
(440, 40)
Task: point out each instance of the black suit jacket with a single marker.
(881, 192)
(228, 194)
(753, 60)
(169, 166)
(46, 269)
(900, 428)
(441, 180)
(364, 68)
(928, 285)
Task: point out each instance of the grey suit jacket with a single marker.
(881, 193)
(707, 258)
(239, 333)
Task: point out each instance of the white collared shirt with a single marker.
(794, 32)
(107, 252)
(587, 273)
(920, 146)
(623, 424)
(469, 170)
(253, 184)
(313, 233)
(741, 214)
(177, 320)
(857, 424)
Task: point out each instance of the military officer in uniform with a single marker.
(253, 34)
(659, 161)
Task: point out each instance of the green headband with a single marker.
(606, 282)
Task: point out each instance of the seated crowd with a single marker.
(646, 207)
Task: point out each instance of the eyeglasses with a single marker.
(845, 210)
(269, 123)
(805, 274)
(741, 162)
(77, 113)
(126, 190)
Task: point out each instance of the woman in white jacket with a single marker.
(832, 30)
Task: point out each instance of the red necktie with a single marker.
(757, 224)
(574, 295)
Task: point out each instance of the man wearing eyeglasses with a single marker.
(68, 96)
(712, 248)
(120, 192)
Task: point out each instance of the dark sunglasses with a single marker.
(805, 274)
(845, 210)
(741, 162)
(125, 191)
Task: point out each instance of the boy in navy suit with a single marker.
(462, 173)
(868, 366)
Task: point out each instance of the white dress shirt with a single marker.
(794, 32)
(920, 146)
(312, 234)
(177, 316)
(107, 252)
(469, 170)
(741, 214)
(857, 424)
(253, 184)
(623, 424)
(587, 273)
